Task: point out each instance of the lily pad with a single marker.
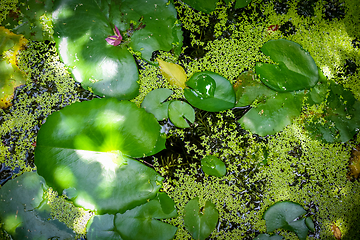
(273, 114)
(179, 111)
(283, 215)
(296, 69)
(210, 92)
(341, 118)
(87, 145)
(154, 103)
(10, 75)
(200, 223)
(24, 212)
(138, 223)
(173, 73)
(247, 89)
(213, 166)
(80, 30)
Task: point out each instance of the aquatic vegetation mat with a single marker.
(196, 119)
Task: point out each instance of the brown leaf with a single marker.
(354, 165)
(336, 231)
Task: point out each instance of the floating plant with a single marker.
(200, 222)
(83, 29)
(208, 6)
(24, 212)
(285, 215)
(213, 166)
(141, 222)
(210, 92)
(87, 147)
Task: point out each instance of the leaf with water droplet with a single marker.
(210, 92)
(213, 166)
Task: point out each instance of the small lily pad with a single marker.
(154, 103)
(200, 223)
(283, 214)
(179, 111)
(213, 166)
(296, 69)
(210, 92)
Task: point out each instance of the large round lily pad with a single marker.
(296, 69)
(87, 147)
(80, 30)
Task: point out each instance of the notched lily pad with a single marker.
(154, 103)
(139, 223)
(210, 92)
(179, 111)
(213, 166)
(86, 146)
(283, 215)
(24, 212)
(273, 114)
(200, 223)
(340, 120)
(247, 89)
(296, 69)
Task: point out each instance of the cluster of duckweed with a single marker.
(74, 217)
(238, 195)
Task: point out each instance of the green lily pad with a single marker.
(179, 111)
(273, 114)
(296, 69)
(317, 94)
(341, 115)
(283, 214)
(213, 166)
(138, 223)
(24, 212)
(247, 90)
(200, 223)
(210, 92)
(80, 30)
(86, 145)
(268, 237)
(154, 103)
(242, 3)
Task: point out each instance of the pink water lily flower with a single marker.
(116, 39)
